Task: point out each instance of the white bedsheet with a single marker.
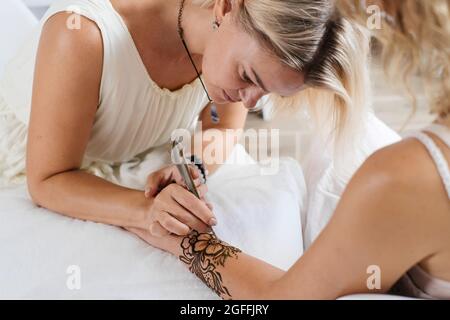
(260, 214)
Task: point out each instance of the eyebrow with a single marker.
(259, 81)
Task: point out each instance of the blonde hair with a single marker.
(313, 38)
(414, 41)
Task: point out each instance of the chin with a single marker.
(218, 98)
(216, 94)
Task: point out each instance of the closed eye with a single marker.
(246, 78)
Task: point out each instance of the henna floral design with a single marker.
(203, 253)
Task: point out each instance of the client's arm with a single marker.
(375, 236)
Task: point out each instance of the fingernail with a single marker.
(147, 192)
(213, 222)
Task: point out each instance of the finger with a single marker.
(173, 225)
(153, 184)
(193, 204)
(195, 172)
(159, 180)
(177, 178)
(157, 230)
(149, 192)
(209, 205)
(198, 182)
(202, 190)
(184, 216)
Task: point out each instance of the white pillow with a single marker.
(257, 212)
(38, 248)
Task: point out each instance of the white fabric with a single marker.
(134, 114)
(326, 182)
(259, 214)
(438, 158)
(14, 16)
(441, 131)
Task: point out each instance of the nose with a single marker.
(250, 96)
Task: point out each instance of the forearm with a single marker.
(230, 273)
(83, 196)
(215, 141)
(214, 146)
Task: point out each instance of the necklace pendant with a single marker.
(214, 114)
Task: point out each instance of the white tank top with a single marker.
(134, 114)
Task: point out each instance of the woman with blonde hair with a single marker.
(391, 230)
(103, 83)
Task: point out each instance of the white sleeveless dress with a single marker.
(134, 115)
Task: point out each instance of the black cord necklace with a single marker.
(214, 115)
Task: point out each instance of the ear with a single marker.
(223, 7)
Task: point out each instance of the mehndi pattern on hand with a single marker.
(203, 253)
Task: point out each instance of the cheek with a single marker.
(219, 70)
(208, 63)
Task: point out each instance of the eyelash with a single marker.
(246, 78)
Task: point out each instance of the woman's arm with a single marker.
(217, 140)
(383, 223)
(65, 100)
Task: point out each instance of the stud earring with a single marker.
(215, 25)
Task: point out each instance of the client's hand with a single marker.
(173, 209)
(168, 243)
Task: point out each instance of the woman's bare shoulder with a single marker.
(407, 162)
(70, 58)
(401, 184)
(393, 214)
(71, 35)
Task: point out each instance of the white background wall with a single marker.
(38, 7)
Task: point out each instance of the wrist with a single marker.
(139, 217)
